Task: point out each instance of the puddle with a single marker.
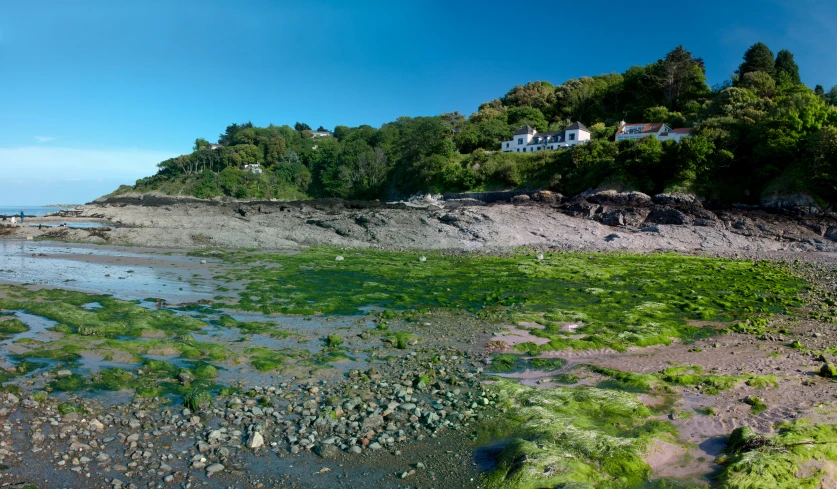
(73, 225)
(38, 328)
(120, 273)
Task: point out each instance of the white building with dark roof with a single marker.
(528, 140)
(660, 130)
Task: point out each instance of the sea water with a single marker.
(29, 211)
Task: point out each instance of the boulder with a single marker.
(580, 207)
(828, 370)
(616, 198)
(798, 202)
(547, 197)
(667, 215)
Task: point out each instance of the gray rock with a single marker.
(256, 440)
(326, 451)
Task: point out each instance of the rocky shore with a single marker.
(605, 220)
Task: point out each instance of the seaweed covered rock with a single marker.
(744, 439)
(828, 370)
(800, 456)
(198, 400)
(574, 438)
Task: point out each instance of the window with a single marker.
(524, 150)
(518, 150)
(507, 145)
(519, 140)
(572, 137)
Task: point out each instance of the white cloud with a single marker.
(44, 139)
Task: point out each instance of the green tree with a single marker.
(200, 144)
(273, 149)
(758, 82)
(785, 64)
(229, 179)
(206, 186)
(489, 110)
(831, 96)
(758, 57)
(680, 76)
(539, 95)
(521, 116)
(301, 126)
(662, 114)
(819, 91)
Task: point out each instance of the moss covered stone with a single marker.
(198, 400)
(828, 370)
(581, 436)
(801, 456)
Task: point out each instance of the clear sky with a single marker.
(95, 93)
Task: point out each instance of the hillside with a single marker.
(759, 135)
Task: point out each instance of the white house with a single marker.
(660, 130)
(253, 167)
(321, 134)
(215, 146)
(528, 140)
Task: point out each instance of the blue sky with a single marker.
(95, 93)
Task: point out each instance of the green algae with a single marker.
(757, 405)
(10, 327)
(115, 318)
(509, 362)
(616, 300)
(680, 376)
(333, 340)
(198, 400)
(574, 436)
(69, 407)
(566, 379)
(266, 360)
(801, 456)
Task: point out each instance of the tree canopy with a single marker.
(761, 131)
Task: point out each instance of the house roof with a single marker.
(647, 127)
(576, 125)
(527, 129)
(682, 130)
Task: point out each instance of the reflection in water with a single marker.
(91, 269)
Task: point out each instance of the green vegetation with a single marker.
(508, 362)
(68, 407)
(618, 300)
(10, 327)
(757, 404)
(566, 379)
(683, 376)
(265, 359)
(800, 456)
(759, 134)
(198, 400)
(586, 436)
(333, 340)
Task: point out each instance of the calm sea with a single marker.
(14, 210)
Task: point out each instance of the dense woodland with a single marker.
(760, 133)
